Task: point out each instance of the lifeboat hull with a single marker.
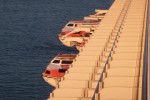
(72, 41)
(51, 81)
(67, 43)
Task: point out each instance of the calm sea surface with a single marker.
(28, 41)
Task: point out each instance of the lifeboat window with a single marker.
(70, 25)
(47, 72)
(62, 70)
(56, 61)
(67, 62)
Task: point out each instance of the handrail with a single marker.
(148, 29)
(146, 65)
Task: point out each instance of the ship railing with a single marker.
(146, 61)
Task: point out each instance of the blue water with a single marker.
(28, 40)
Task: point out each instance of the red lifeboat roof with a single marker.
(58, 70)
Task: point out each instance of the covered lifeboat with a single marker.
(73, 38)
(77, 31)
(84, 25)
(57, 68)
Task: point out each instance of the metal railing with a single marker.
(146, 64)
(148, 31)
